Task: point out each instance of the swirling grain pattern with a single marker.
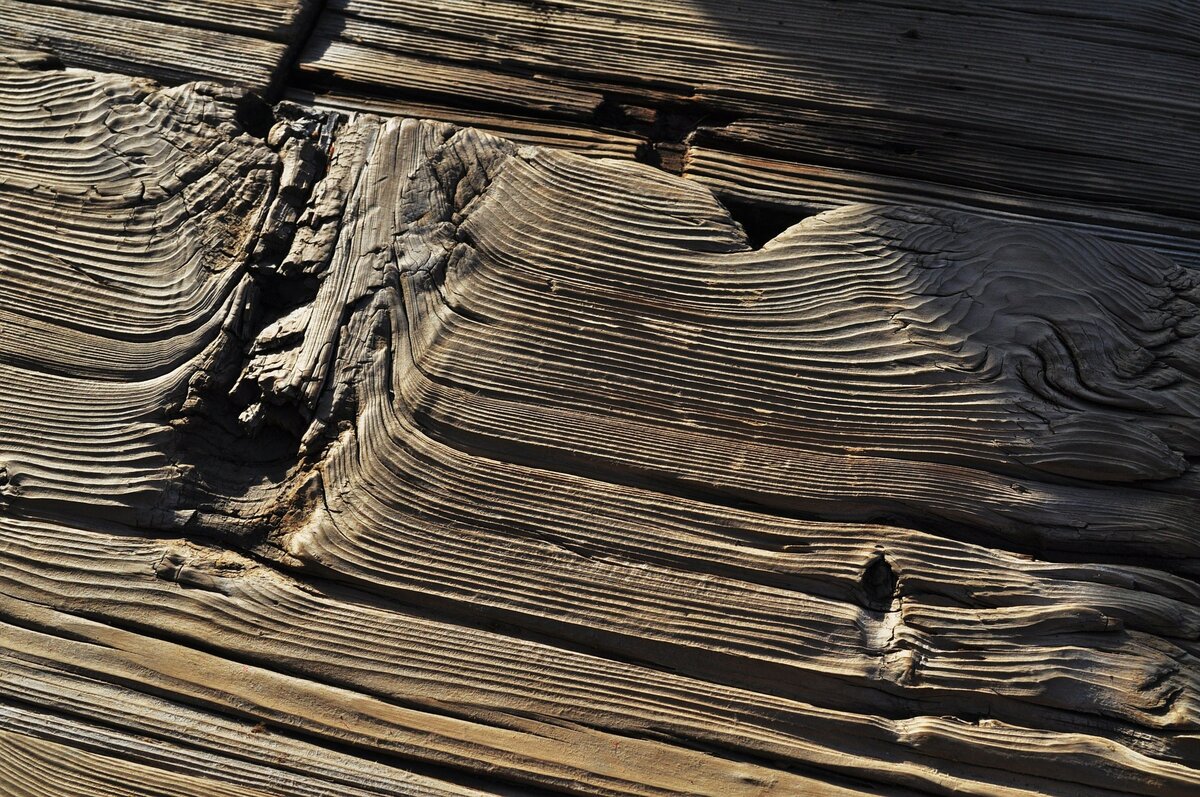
(374, 456)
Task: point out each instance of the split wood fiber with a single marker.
(374, 456)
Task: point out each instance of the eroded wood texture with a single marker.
(1081, 112)
(373, 456)
(247, 43)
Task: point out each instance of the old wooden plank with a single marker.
(276, 20)
(521, 129)
(141, 732)
(567, 759)
(1084, 100)
(376, 543)
(753, 184)
(459, 669)
(474, 84)
(513, 467)
(231, 43)
(31, 767)
(970, 158)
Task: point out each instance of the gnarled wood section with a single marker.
(127, 208)
(373, 456)
(239, 42)
(1044, 110)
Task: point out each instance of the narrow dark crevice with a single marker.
(226, 461)
(879, 583)
(320, 81)
(254, 115)
(223, 461)
(306, 26)
(664, 126)
(763, 221)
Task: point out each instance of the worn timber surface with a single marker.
(1080, 112)
(247, 43)
(660, 420)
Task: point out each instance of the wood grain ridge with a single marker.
(368, 455)
(245, 44)
(1081, 113)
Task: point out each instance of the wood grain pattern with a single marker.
(276, 20)
(233, 42)
(790, 190)
(366, 455)
(1066, 112)
(606, 143)
(32, 766)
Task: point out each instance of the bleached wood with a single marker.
(384, 456)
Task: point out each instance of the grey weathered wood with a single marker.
(247, 44)
(377, 456)
(276, 20)
(1080, 105)
(794, 190)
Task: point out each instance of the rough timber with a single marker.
(370, 455)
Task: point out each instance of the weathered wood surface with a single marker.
(374, 456)
(1082, 111)
(247, 43)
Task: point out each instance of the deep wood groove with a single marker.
(712, 402)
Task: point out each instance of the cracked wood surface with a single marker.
(1077, 111)
(375, 456)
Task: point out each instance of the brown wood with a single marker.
(1076, 111)
(247, 43)
(411, 437)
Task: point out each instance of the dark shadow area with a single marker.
(763, 222)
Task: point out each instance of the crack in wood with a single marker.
(390, 442)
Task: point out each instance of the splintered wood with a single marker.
(362, 455)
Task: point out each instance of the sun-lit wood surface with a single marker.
(580, 398)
